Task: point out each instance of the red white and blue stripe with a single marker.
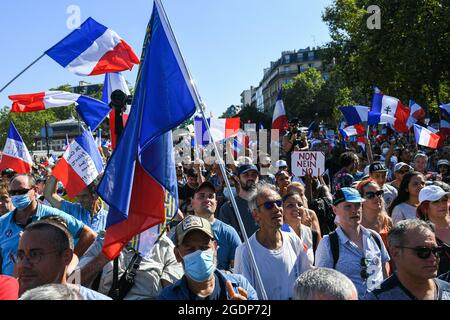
(279, 118)
(355, 130)
(417, 113)
(93, 49)
(80, 164)
(425, 137)
(15, 153)
(386, 109)
(220, 129)
(141, 171)
(92, 111)
(355, 114)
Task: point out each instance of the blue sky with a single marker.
(226, 43)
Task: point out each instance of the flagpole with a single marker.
(29, 66)
(201, 107)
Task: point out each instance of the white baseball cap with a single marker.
(280, 163)
(431, 193)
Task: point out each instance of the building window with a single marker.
(287, 58)
(300, 56)
(311, 55)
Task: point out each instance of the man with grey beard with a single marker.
(248, 176)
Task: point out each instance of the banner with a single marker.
(308, 163)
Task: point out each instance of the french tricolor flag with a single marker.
(220, 129)
(355, 130)
(355, 114)
(417, 113)
(15, 153)
(80, 164)
(386, 109)
(93, 49)
(92, 111)
(426, 137)
(279, 118)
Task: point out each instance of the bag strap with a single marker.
(315, 236)
(127, 280)
(114, 291)
(334, 246)
(377, 240)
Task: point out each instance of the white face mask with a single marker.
(385, 151)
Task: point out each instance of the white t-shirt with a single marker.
(390, 193)
(278, 268)
(403, 211)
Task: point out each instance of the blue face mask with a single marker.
(226, 192)
(200, 265)
(21, 201)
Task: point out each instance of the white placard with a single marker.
(308, 162)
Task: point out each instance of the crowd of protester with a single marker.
(376, 225)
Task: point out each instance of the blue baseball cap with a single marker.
(347, 195)
(246, 168)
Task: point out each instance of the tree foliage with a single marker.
(231, 111)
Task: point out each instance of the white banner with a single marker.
(308, 163)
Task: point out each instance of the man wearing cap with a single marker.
(196, 249)
(357, 252)
(266, 170)
(248, 176)
(187, 191)
(400, 169)
(378, 173)
(443, 166)
(204, 204)
(281, 165)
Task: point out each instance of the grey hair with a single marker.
(259, 189)
(325, 282)
(52, 291)
(397, 235)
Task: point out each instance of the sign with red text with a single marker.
(308, 163)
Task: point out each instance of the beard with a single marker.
(249, 186)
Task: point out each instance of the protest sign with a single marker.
(308, 163)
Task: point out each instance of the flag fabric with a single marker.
(93, 49)
(220, 129)
(98, 138)
(279, 118)
(92, 111)
(425, 137)
(386, 109)
(115, 81)
(142, 168)
(80, 164)
(239, 143)
(444, 128)
(66, 143)
(15, 153)
(355, 130)
(355, 114)
(417, 113)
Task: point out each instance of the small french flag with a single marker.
(80, 164)
(425, 137)
(386, 109)
(220, 129)
(355, 130)
(355, 114)
(92, 111)
(15, 153)
(93, 49)
(416, 113)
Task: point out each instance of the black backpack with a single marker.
(324, 211)
(334, 245)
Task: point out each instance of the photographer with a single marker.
(294, 140)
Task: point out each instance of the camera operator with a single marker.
(294, 140)
(119, 102)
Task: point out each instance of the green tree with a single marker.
(252, 114)
(231, 111)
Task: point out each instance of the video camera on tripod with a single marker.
(119, 102)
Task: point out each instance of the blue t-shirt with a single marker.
(228, 240)
(350, 257)
(392, 289)
(180, 291)
(89, 294)
(96, 223)
(10, 232)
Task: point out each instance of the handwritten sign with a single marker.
(308, 163)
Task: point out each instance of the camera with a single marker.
(296, 125)
(119, 100)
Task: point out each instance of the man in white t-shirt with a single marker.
(280, 256)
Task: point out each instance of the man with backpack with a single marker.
(357, 252)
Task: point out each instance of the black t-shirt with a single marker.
(186, 192)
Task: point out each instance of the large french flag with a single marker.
(355, 114)
(279, 118)
(386, 109)
(417, 113)
(93, 49)
(426, 137)
(115, 81)
(142, 168)
(92, 111)
(15, 153)
(80, 164)
(220, 129)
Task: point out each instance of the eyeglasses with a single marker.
(443, 199)
(270, 204)
(364, 264)
(18, 192)
(425, 252)
(34, 256)
(372, 194)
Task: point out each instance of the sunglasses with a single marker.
(270, 204)
(372, 194)
(425, 252)
(18, 192)
(364, 263)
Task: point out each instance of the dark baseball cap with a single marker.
(204, 185)
(191, 223)
(377, 166)
(246, 168)
(347, 195)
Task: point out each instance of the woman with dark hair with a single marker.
(434, 207)
(349, 166)
(405, 205)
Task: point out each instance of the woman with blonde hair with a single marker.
(309, 217)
